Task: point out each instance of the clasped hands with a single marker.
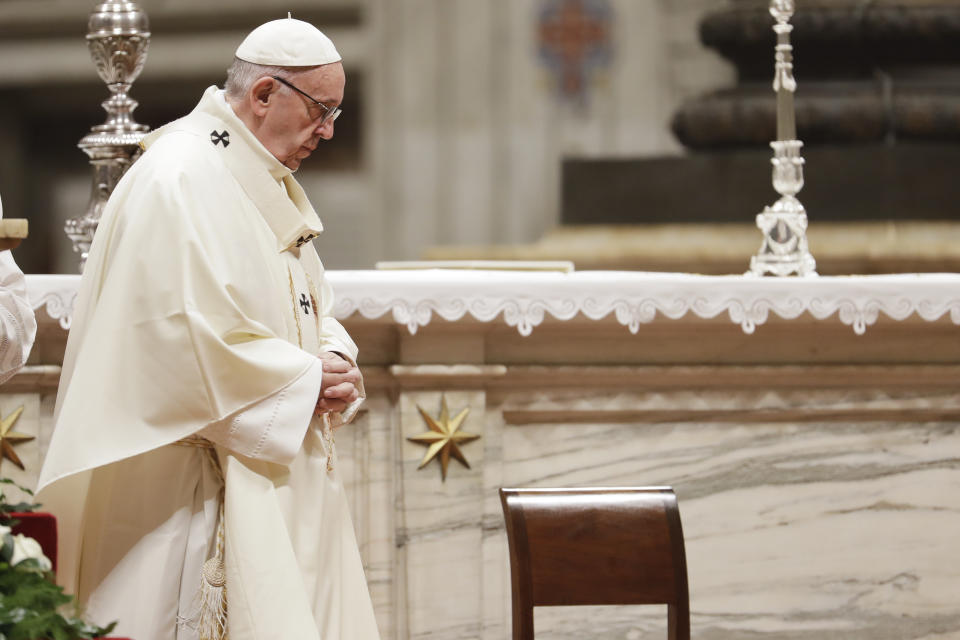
(339, 387)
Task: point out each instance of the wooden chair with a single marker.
(596, 547)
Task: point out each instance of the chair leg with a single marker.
(522, 621)
(678, 623)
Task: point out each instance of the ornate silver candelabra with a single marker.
(118, 37)
(784, 225)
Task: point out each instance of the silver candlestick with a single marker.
(784, 225)
(118, 37)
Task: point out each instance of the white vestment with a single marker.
(201, 311)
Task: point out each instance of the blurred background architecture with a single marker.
(457, 115)
(537, 128)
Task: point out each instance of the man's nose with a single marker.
(325, 130)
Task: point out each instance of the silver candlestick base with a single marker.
(784, 225)
(118, 37)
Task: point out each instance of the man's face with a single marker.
(291, 127)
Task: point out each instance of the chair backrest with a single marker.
(596, 546)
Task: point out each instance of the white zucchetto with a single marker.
(288, 43)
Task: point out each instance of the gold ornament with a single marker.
(444, 437)
(9, 438)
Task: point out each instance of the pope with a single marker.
(192, 465)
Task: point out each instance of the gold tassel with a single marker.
(327, 429)
(212, 617)
(208, 616)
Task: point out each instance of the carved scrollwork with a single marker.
(119, 59)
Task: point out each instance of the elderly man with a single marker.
(192, 464)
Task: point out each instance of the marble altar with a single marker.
(809, 427)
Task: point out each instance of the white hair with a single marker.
(242, 75)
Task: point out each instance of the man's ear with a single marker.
(260, 95)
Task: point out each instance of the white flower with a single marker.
(4, 531)
(25, 548)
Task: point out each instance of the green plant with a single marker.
(7, 508)
(31, 605)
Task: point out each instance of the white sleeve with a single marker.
(272, 429)
(18, 326)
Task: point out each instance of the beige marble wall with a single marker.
(804, 527)
(796, 526)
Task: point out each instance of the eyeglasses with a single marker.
(329, 113)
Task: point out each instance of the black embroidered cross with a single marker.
(305, 304)
(220, 137)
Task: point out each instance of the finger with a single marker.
(343, 390)
(336, 366)
(352, 375)
(329, 356)
(331, 379)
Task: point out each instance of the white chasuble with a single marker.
(201, 312)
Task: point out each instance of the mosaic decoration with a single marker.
(574, 38)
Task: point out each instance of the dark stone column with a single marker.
(868, 72)
(878, 108)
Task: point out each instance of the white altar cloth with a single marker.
(523, 299)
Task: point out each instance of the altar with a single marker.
(808, 425)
